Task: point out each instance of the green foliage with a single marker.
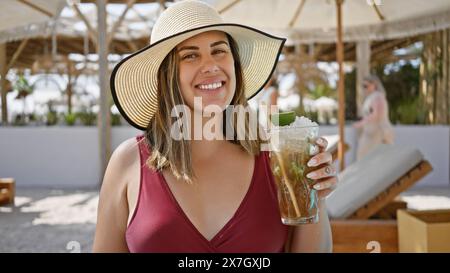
(410, 112)
(351, 112)
(87, 118)
(52, 118)
(23, 87)
(115, 120)
(402, 93)
(32, 117)
(322, 90)
(70, 119)
(19, 120)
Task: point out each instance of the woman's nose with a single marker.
(209, 66)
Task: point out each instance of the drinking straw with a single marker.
(288, 183)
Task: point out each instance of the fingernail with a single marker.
(312, 162)
(317, 187)
(319, 141)
(311, 175)
(313, 150)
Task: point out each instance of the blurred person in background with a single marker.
(375, 125)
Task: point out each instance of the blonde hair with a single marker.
(374, 79)
(176, 154)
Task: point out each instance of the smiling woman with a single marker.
(207, 69)
(162, 194)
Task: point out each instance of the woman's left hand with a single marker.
(325, 179)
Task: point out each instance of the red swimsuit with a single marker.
(160, 225)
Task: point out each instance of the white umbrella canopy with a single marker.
(308, 21)
(20, 19)
(137, 22)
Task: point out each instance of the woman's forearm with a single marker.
(326, 238)
(314, 237)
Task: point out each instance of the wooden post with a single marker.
(443, 110)
(7, 191)
(341, 93)
(69, 92)
(92, 33)
(3, 71)
(362, 70)
(440, 110)
(103, 122)
(446, 64)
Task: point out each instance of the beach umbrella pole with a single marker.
(103, 123)
(341, 94)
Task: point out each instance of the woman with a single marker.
(165, 195)
(375, 124)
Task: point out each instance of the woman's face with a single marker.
(369, 87)
(206, 68)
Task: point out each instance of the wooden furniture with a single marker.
(387, 196)
(358, 233)
(7, 191)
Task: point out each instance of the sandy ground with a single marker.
(64, 220)
(49, 221)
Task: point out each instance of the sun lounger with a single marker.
(371, 183)
(367, 188)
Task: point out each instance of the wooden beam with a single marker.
(17, 54)
(377, 10)
(91, 30)
(119, 1)
(36, 7)
(297, 13)
(162, 5)
(119, 21)
(227, 7)
(132, 46)
(121, 48)
(386, 45)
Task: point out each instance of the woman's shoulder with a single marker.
(126, 154)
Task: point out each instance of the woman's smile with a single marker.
(211, 87)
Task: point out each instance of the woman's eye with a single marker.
(219, 51)
(189, 56)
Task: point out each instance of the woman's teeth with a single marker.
(210, 86)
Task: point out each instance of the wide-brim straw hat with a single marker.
(134, 79)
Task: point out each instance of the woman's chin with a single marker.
(213, 101)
